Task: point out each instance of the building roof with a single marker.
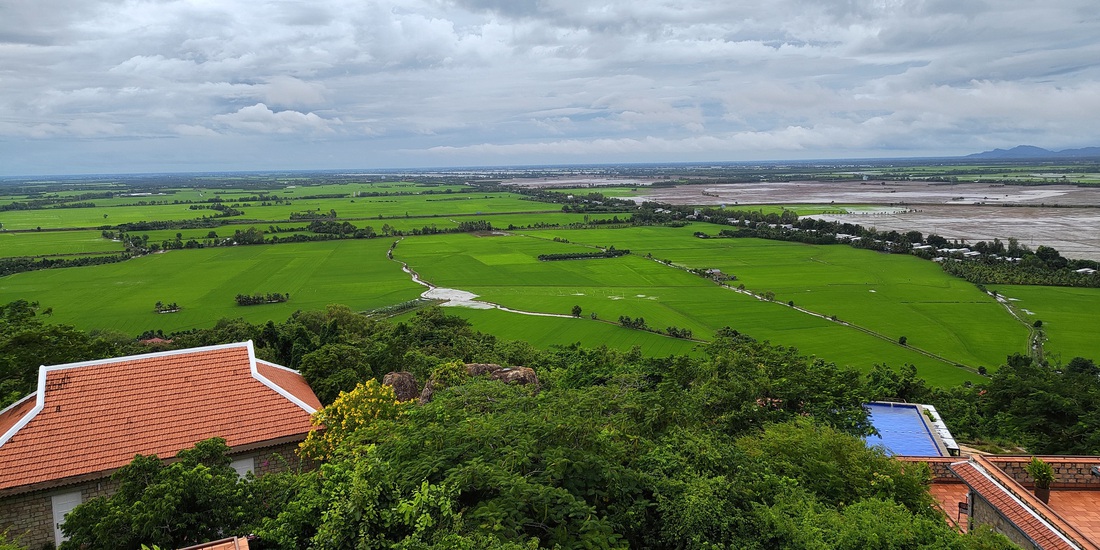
(93, 417)
(230, 543)
(1047, 531)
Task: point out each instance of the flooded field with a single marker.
(1066, 217)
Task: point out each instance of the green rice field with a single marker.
(894, 295)
(1068, 315)
(205, 281)
(505, 270)
(875, 298)
(58, 243)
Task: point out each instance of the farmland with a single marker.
(841, 304)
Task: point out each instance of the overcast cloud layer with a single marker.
(109, 86)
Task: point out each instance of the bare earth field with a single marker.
(1075, 232)
(1063, 216)
(876, 192)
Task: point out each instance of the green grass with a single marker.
(1068, 315)
(204, 282)
(505, 270)
(895, 295)
(56, 218)
(892, 295)
(543, 332)
(381, 210)
(54, 243)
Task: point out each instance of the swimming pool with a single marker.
(902, 430)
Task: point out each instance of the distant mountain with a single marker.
(1032, 152)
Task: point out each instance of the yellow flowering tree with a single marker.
(350, 417)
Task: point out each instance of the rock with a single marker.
(403, 384)
(516, 375)
(478, 369)
(427, 393)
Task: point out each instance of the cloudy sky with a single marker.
(112, 86)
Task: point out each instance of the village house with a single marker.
(996, 491)
(60, 445)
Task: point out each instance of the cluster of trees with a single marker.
(1042, 407)
(341, 228)
(637, 324)
(313, 215)
(258, 299)
(26, 342)
(1045, 267)
(611, 252)
(677, 332)
(222, 210)
(750, 445)
(161, 307)
(70, 201)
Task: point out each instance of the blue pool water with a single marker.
(901, 430)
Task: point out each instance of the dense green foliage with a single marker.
(26, 342)
(609, 253)
(196, 499)
(750, 446)
(1045, 408)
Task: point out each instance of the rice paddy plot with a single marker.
(57, 218)
(205, 281)
(543, 332)
(39, 243)
(893, 295)
(505, 270)
(1068, 315)
(385, 209)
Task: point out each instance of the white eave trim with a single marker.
(253, 362)
(43, 371)
(27, 417)
(981, 469)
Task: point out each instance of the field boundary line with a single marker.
(880, 336)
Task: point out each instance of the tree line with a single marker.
(611, 252)
(259, 299)
(749, 445)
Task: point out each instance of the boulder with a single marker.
(516, 375)
(403, 384)
(427, 393)
(478, 369)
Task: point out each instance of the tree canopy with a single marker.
(750, 446)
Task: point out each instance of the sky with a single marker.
(131, 86)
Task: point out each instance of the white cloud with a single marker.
(259, 118)
(727, 79)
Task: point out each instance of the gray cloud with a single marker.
(429, 82)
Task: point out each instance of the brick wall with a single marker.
(29, 516)
(983, 513)
(1069, 472)
(940, 466)
(278, 459)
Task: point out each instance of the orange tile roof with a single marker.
(94, 416)
(1037, 528)
(1080, 508)
(948, 495)
(231, 543)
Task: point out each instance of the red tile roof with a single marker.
(93, 417)
(983, 479)
(1080, 508)
(231, 543)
